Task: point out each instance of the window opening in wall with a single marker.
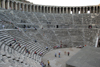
(57, 26)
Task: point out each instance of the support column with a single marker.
(12, 5)
(44, 9)
(34, 8)
(73, 10)
(37, 7)
(76, 10)
(40, 8)
(93, 9)
(67, 10)
(53, 9)
(63, 9)
(83, 9)
(26, 7)
(56, 9)
(96, 9)
(70, 10)
(59, 9)
(3, 4)
(23, 7)
(50, 9)
(47, 9)
(86, 9)
(15, 6)
(20, 6)
(90, 9)
(80, 10)
(30, 8)
(7, 4)
(0, 4)
(99, 9)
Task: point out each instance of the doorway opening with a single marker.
(57, 26)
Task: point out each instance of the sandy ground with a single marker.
(56, 61)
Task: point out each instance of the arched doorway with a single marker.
(98, 43)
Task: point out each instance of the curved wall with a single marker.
(17, 5)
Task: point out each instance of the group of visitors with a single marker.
(44, 65)
(60, 54)
(41, 53)
(56, 47)
(15, 42)
(26, 50)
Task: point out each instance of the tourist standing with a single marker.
(68, 53)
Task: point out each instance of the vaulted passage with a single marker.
(98, 42)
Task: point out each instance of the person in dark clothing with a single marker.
(35, 41)
(68, 53)
(10, 44)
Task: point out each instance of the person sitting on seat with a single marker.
(46, 48)
(14, 40)
(35, 41)
(19, 45)
(10, 44)
(35, 52)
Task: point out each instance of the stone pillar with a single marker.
(23, 6)
(76, 10)
(86, 9)
(7, 4)
(44, 9)
(20, 6)
(40, 8)
(80, 10)
(67, 10)
(12, 5)
(16, 6)
(56, 9)
(70, 9)
(30, 8)
(73, 10)
(63, 9)
(53, 9)
(26, 7)
(83, 9)
(37, 8)
(0, 4)
(90, 9)
(59, 9)
(99, 9)
(93, 9)
(3, 4)
(96, 9)
(34, 8)
(47, 9)
(50, 9)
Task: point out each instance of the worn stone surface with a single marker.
(56, 61)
